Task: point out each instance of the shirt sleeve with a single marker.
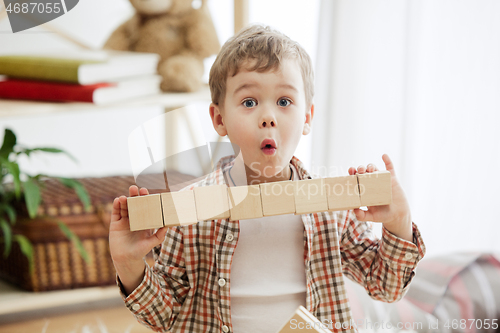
(386, 266)
(156, 302)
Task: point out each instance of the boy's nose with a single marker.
(268, 121)
(271, 123)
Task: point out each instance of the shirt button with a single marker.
(222, 282)
(225, 329)
(408, 256)
(136, 307)
(229, 237)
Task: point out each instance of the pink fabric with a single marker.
(459, 286)
(461, 295)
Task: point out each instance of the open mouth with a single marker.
(268, 146)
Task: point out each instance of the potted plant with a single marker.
(20, 195)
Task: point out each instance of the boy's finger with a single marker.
(360, 214)
(363, 215)
(123, 206)
(388, 164)
(352, 171)
(157, 238)
(160, 234)
(133, 191)
(361, 169)
(144, 191)
(115, 213)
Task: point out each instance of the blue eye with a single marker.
(249, 103)
(283, 102)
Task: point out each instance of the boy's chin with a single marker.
(266, 166)
(273, 172)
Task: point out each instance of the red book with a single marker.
(99, 93)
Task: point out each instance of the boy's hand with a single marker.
(396, 217)
(128, 248)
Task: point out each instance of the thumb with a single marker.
(158, 237)
(363, 215)
(388, 165)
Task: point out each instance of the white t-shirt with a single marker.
(268, 280)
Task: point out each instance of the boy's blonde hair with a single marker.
(268, 47)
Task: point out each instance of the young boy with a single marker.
(250, 275)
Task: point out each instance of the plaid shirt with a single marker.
(187, 290)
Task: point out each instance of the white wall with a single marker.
(453, 139)
(361, 84)
(418, 80)
(97, 138)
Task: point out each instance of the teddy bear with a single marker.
(180, 31)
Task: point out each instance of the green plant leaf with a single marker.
(28, 151)
(3, 172)
(26, 249)
(13, 168)
(79, 189)
(75, 240)
(9, 141)
(10, 211)
(32, 196)
(7, 236)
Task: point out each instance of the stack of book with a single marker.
(98, 77)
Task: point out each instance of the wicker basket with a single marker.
(57, 263)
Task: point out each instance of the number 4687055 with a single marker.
(472, 323)
(35, 8)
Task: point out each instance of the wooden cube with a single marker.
(211, 202)
(278, 198)
(375, 188)
(305, 322)
(145, 212)
(245, 202)
(342, 193)
(179, 208)
(310, 196)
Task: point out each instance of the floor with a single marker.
(83, 310)
(116, 319)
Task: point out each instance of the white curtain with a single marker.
(419, 80)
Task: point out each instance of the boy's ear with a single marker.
(308, 120)
(217, 119)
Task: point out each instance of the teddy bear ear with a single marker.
(197, 4)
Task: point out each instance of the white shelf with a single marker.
(14, 300)
(16, 108)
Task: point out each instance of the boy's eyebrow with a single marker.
(288, 86)
(251, 85)
(245, 86)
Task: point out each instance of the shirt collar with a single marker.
(227, 162)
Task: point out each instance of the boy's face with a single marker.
(265, 114)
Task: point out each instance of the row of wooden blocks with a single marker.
(254, 201)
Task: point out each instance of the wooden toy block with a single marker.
(145, 212)
(304, 321)
(254, 201)
(211, 202)
(179, 208)
(342, 193)
(375, 188)
(310, 196)
(278, 198)
(245, 202)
